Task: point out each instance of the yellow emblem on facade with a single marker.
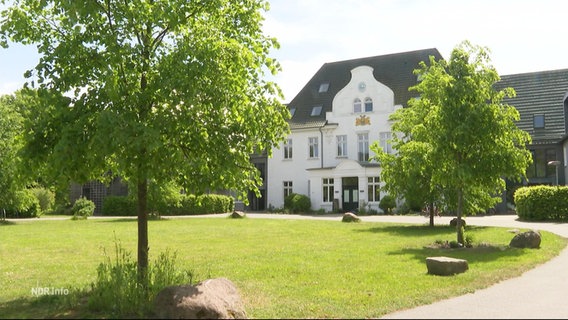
(363, 120)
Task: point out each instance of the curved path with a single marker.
(540, 293)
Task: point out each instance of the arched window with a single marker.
(368, 105)
(357, 105)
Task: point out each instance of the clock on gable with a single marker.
(362, 86)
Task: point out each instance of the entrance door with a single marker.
(350, 189)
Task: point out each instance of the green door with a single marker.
(350, 198)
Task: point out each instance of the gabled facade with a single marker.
(340, 112)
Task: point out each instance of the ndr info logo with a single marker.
(49, 291)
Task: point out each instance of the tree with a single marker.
(10, 144)
(159, 90)
(459, 134)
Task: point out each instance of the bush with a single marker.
(83, 208)
(117, 292)
(45, 197)
(24, 205)
(296, 203)
(542, 203)
(183, 205)
(119, 206)
(387, 203)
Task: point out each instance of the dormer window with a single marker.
(292, 111)
(316, 111)
(357, 105)
(324, 86)
(368, 105)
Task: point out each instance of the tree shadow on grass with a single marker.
(482, 252)
(47, 307)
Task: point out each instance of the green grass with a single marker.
(283, 268)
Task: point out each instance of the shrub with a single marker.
(24, 205)
(83, 208)
(45, 197)
(119, 206)
(296, 203)
(541, 203)
(387, 203)
(116, 291)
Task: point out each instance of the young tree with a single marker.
(158, 90)
(468, 137)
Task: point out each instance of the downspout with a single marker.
(321, 148)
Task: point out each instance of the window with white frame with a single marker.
(385, 142)
(314, 147)
(342, 146)
(374, 189)
(327, 189)
(357, 105)
(288, 149)
(368, 105)
(363, 147)
(287, 188)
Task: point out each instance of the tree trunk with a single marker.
(459, 228)
(142, 233)
(431, 214)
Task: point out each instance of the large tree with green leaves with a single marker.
(10, 144)
(159, 90)
(466, 137)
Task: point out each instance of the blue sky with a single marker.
(522, 35)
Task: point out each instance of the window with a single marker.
(288, 149)
(357, 105)
(342, 146)
(373, 189)
(292, 111)
(539, 167)
(287, 188)
(327, 189)
(314, 147)
(363, 146)
(538, 121)
(385, 141)
(324, 86)
(368, 105)
(316, 111)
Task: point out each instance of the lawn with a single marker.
(283, 268)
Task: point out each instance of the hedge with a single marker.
(188, 205)
(542, 203)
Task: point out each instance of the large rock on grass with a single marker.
(446, 266)
(529, 239)
(350, 217)
(210, 299)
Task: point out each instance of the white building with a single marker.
(336, 117)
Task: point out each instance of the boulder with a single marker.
(454, 222)
(238, 214)
(350, 217)
(529, 239)
(446, 266)
(210, 299)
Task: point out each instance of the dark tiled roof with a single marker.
(540, 92)
(393, 70)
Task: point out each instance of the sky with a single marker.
(521, 35)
